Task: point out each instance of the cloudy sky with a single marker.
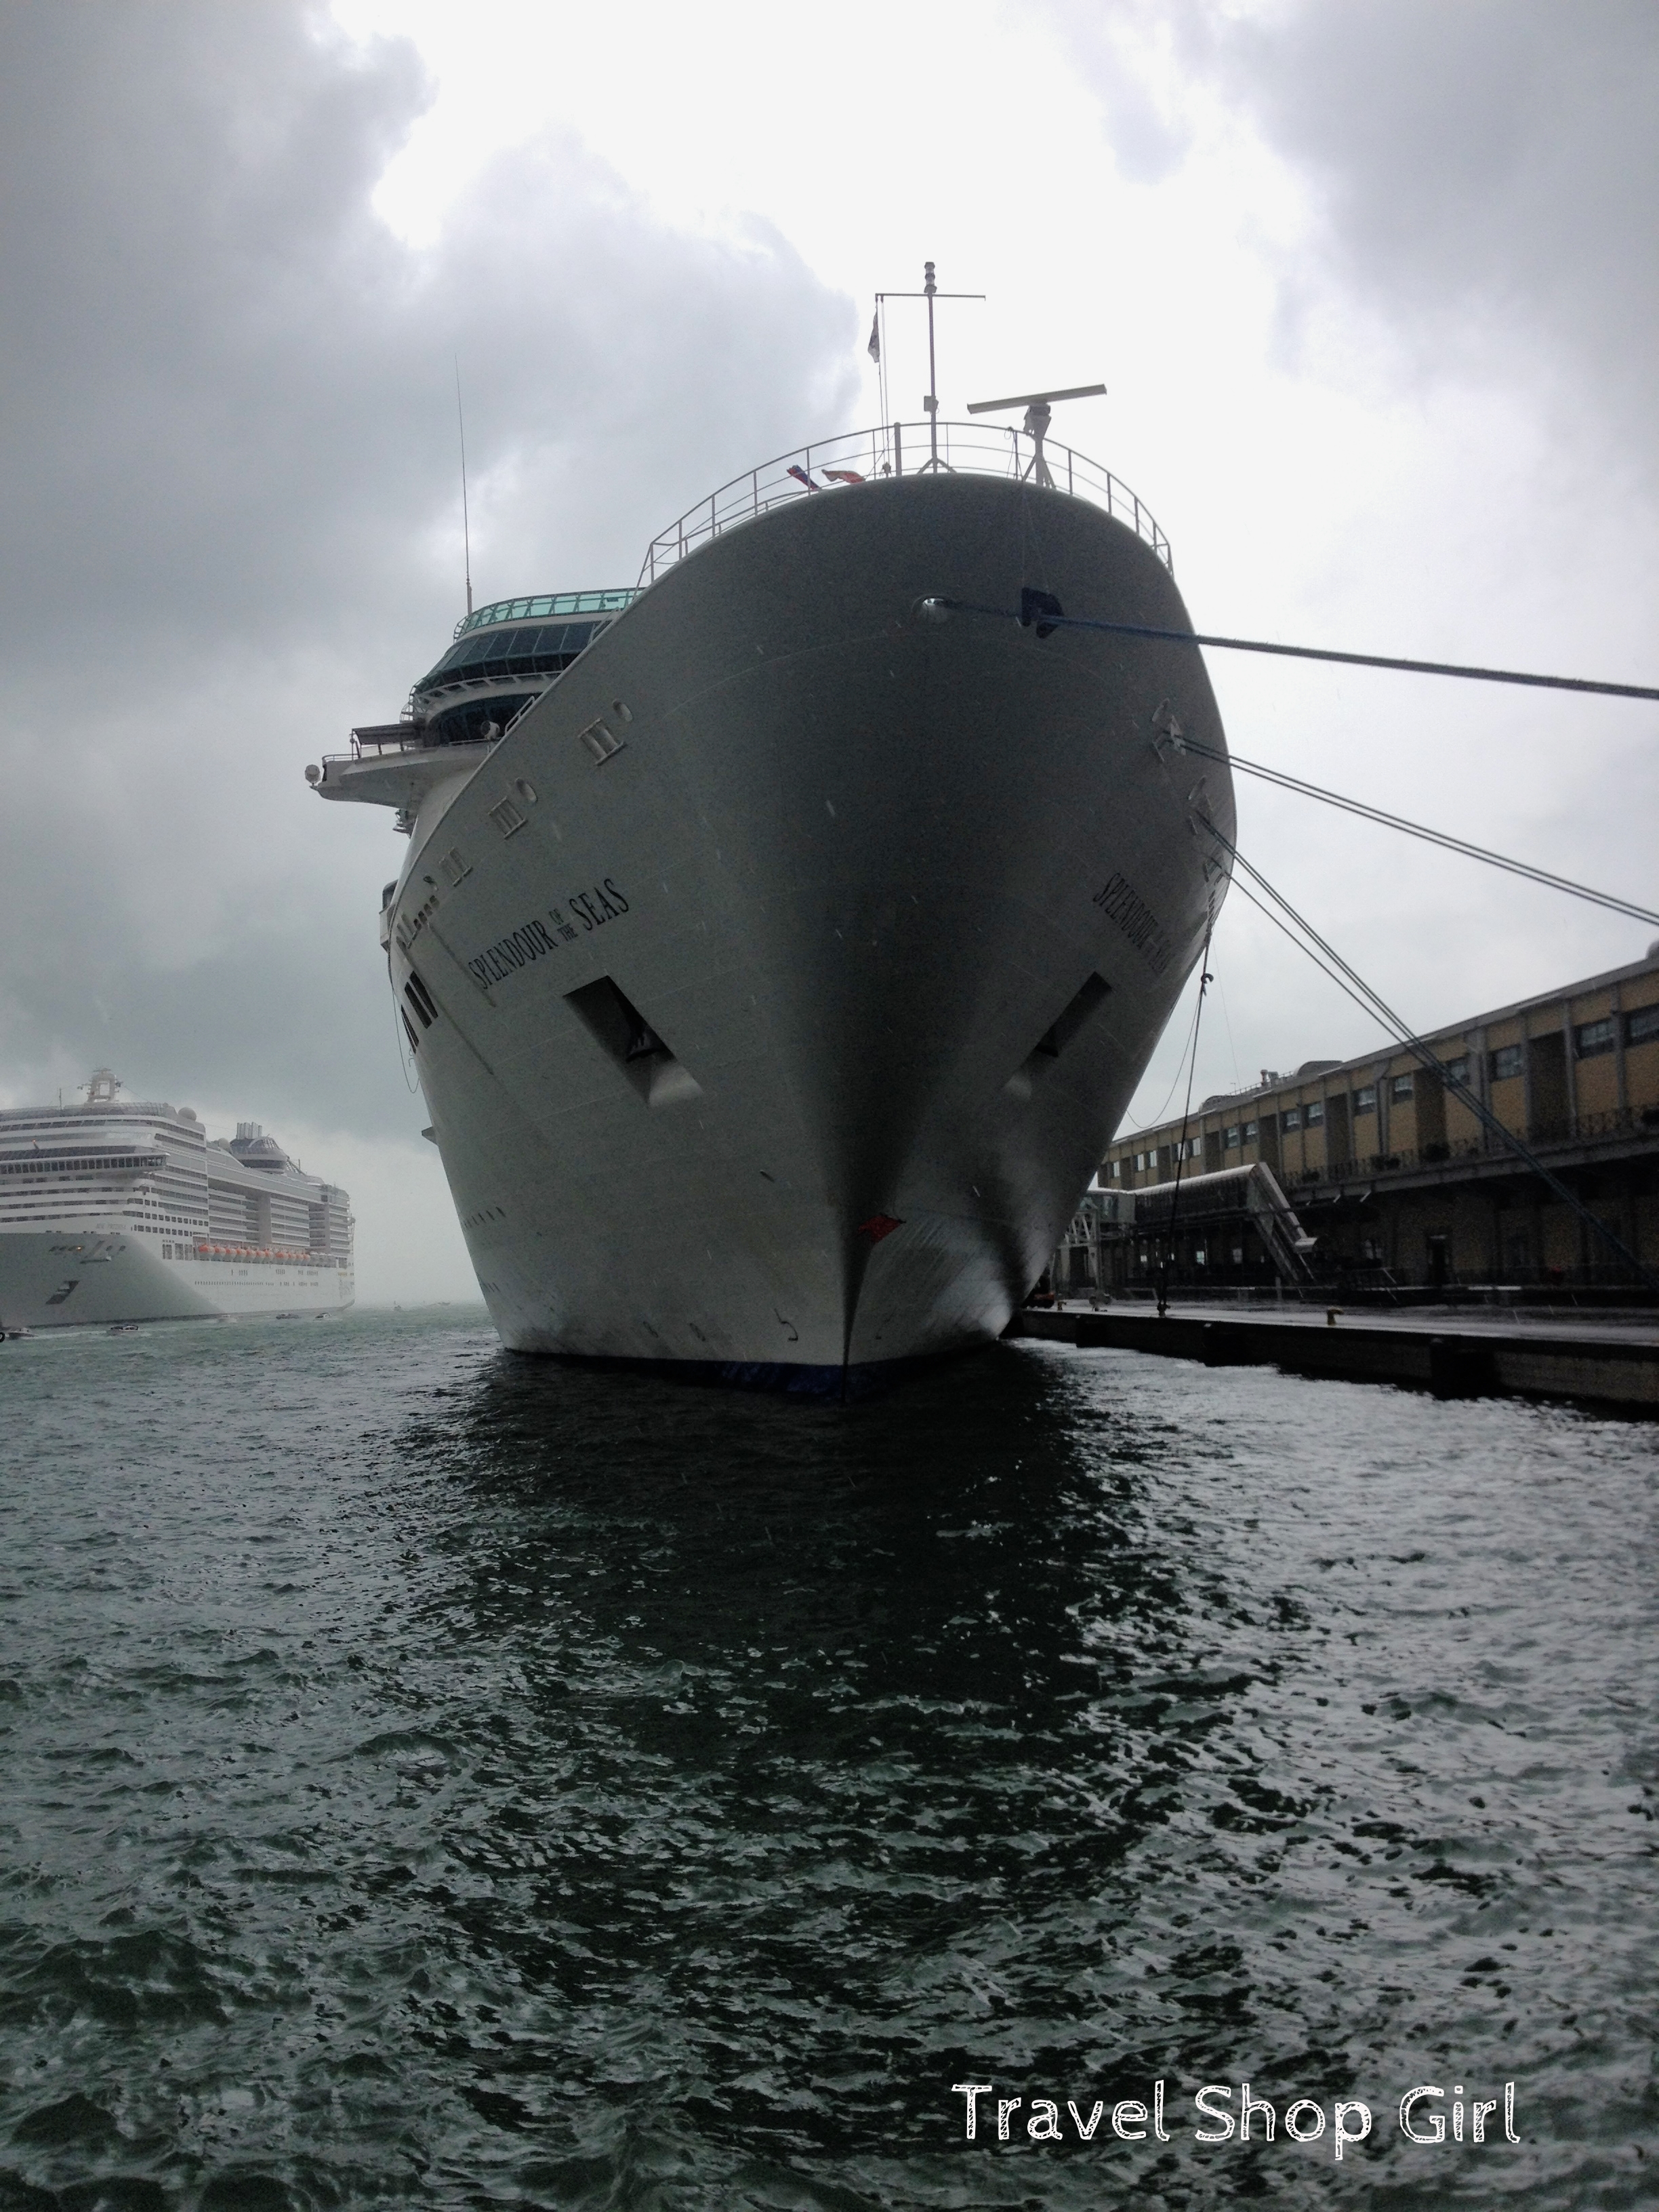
(1376, 291)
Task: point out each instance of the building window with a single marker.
(1591, 1038)
(1292, 1118)
(1251, 1130)
(1642, 1025)
(1506, 1061)
(1194, 1147)
(1230, 1140)
(1313, 1113)
(1141, 1163)
(1365, 1099)
(1116, 1170)
(1401, 1086)
(1458, 1069)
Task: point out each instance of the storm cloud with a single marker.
(1441, 229)
(1374, 289)
(233, 522)
(1486, 177)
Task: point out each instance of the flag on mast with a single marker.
(874, 347)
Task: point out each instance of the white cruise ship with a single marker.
(780, 940)
(114, 1210)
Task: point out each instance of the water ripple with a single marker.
(440, 1778)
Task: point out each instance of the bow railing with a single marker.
(897, 449)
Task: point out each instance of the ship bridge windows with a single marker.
(479, 722)
(537, 649)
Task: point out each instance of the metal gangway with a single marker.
(1225, 1194)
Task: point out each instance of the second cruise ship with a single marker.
(116, 1210)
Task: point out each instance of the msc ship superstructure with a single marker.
(115, 1210)
(779, 941)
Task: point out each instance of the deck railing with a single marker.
(549, 606)
(896, 449)
(1541, 1136)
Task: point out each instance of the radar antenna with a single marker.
(102, 1089)
(1037, 406)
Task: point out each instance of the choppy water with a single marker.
(435, 1779)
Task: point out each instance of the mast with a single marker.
(930, 292)
(466, 525)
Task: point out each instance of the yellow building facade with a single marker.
(1398, 1179)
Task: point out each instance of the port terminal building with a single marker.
(1369, 1175)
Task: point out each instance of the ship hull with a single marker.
(902, 905)
(79, 1279)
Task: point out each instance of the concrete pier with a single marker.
(1612, 1366)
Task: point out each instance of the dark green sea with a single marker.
(432, 1777)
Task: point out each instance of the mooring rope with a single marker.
(1362, 995)
(1040, 611)
(1204, 980)
(1441, 837)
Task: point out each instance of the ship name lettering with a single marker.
(1119, 902)
(410, 927)
(517, 950)
(534, 940)
(610, 905)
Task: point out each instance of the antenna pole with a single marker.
(466, 525)
(929, 290)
